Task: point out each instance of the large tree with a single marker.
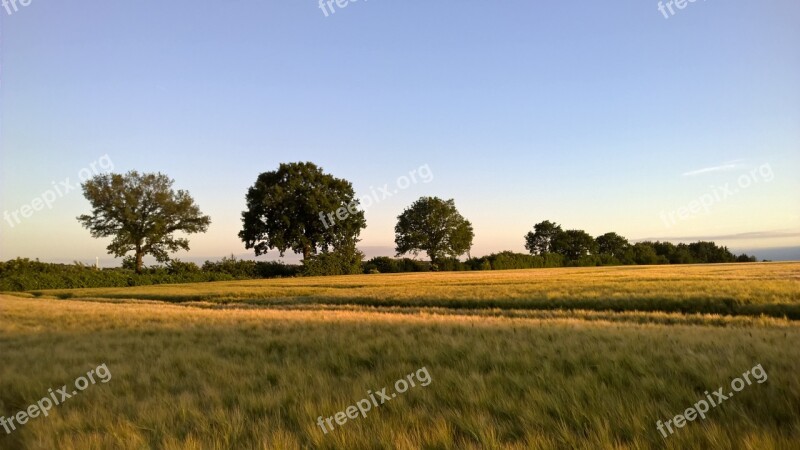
(301, 208)
(574, 244)
(612, 244)
(434, 226)
(142, 212)
(540, 240)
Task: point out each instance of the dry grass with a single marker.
(209, 375)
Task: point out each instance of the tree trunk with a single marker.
(138, 260)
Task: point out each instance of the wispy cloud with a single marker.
(731, 165)
(720, 237)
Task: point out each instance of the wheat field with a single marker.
(535, 359)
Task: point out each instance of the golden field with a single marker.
(547, 358)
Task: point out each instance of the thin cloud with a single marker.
(728, 237)
(732, 165)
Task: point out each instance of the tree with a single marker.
(142, 212)
(540, 240)
(709, 252)
(300, 208)
(682, 255)
(744, 257)
(644, 253)
(665, 251)
(574, 244)
(434, 226)
(613, 245)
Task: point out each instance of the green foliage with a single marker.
(276, 269)
(645, 254)
(613, 249)
(433, 226)
(574, 244)
(23, 274)
(286, 210)
(745, 258)
(540, 240)
(178, 267)
(508, 260)
(129, 262)
(237, 268)
(141, 212)
(449, 265)
(345, 260)
(384, 264)
(576, 248)
(381, 264)
(553, 260)
(246, 269)
(708, 252)
(681, 255)
(413, 265)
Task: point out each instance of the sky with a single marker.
(601, 116)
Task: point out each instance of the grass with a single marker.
(253, 364)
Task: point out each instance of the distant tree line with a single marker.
(302, 209)
(579, 248)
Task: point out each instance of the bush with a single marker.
(237, 268)
(383, 264)
(344, 261)
(276, 269)
(553, 260)
(586, 261)
(412, 265)
(178, 267)
(451, 265)
(509, 260)
(22, 274)
(481, 263)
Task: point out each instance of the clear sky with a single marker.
(602, 116)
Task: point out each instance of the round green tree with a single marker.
(433, 226)
(301, 208)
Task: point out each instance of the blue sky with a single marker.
(591, 114)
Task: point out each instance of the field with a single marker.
(548, 358)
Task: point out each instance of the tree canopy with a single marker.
(540, 240)
(290, 209)
(142, 212)
(613, 245)
(434, 226)
(574, 244)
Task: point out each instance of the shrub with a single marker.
(237, 268)
(384, 264)
(178, 267)
(276, 269)
(451, 265)
(342, 261)
(412, 265)
(22, 274)
(509, 260)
